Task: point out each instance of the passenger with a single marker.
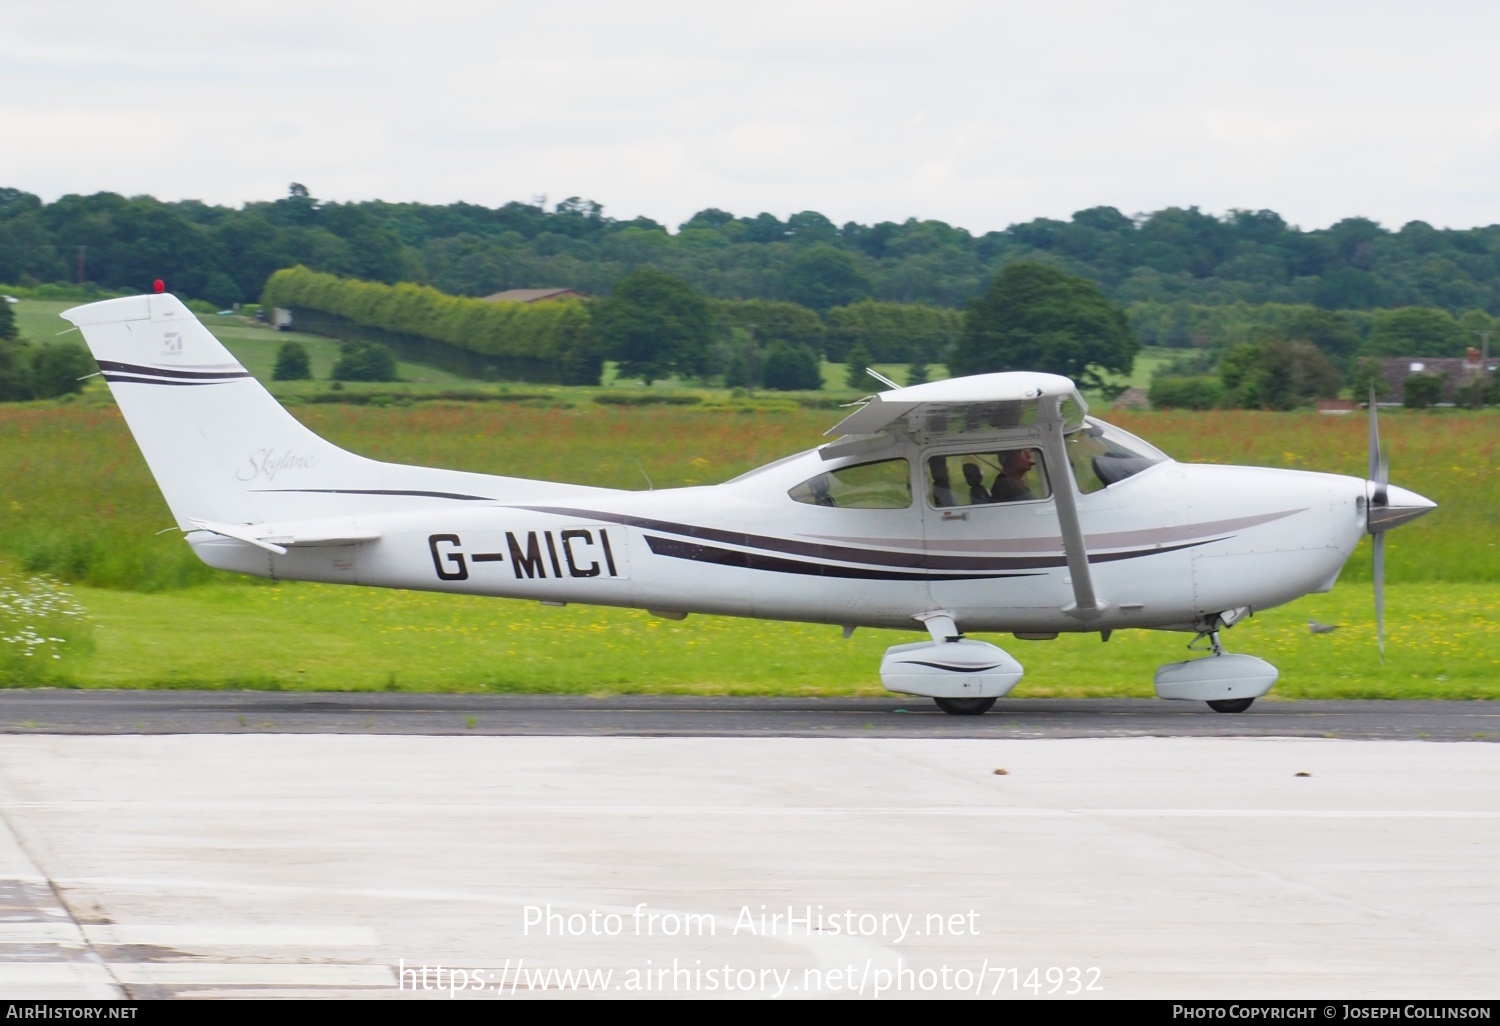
(978, 494)
(942, 488)
(1010, 484)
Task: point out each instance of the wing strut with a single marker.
(1086, 604)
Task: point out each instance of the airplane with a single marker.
(992, 503)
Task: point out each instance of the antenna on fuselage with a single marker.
(649, 486)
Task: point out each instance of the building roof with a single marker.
(1456, 371)
(532, 295)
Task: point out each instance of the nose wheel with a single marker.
(1231, 705)
(965, 706)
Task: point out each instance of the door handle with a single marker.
(949, 514)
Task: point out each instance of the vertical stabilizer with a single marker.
(211, 434)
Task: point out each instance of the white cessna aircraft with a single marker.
(984, 503)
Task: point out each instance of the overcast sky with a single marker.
(979, 114)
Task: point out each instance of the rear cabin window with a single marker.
(884, 484)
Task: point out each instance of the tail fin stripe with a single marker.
(383, 491)
(228, 371)
(127, 379)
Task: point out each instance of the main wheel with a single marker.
(964, 706)
(1231, 705)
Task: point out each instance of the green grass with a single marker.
(1147, 361)
(38, 320)
(77, 501)
(1443, 641)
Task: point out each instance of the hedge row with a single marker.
(548, 342)
(554, 341)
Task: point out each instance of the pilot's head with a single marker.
(1017, 462)
(973, 474)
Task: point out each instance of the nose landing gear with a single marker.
(1228, 683)
(1223, 705)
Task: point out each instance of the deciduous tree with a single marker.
(789, 367)
(654, 325)
(292, 363)
(1035, 317)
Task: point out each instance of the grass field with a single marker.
(1442, 641)
(77, 502)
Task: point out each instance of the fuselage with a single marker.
(1167, 546)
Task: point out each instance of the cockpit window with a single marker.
(884, 484)
(1102, 455)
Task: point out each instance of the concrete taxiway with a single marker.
(323, 864)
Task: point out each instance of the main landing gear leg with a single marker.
(944, 631)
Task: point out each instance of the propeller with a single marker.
(1380, 477)
(1381, 514)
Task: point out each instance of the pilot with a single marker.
(942, 488)
(1010, 484)
(978, 494)
(819, 487)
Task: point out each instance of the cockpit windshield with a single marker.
(1102, 455)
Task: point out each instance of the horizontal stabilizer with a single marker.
(277, 537)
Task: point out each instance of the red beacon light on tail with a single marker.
(158, 286)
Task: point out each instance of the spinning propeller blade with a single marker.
(1379, 466)
(1380, 475)
(1379, 542)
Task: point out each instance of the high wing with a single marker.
(981, 402)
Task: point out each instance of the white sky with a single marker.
(979, 114)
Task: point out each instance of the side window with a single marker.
(884, 484)
(986, 478)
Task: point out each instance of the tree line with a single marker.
(654, 324)
(1031, 316)
(1170, 258)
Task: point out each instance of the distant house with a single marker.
(1456, 372)
(533, 295)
